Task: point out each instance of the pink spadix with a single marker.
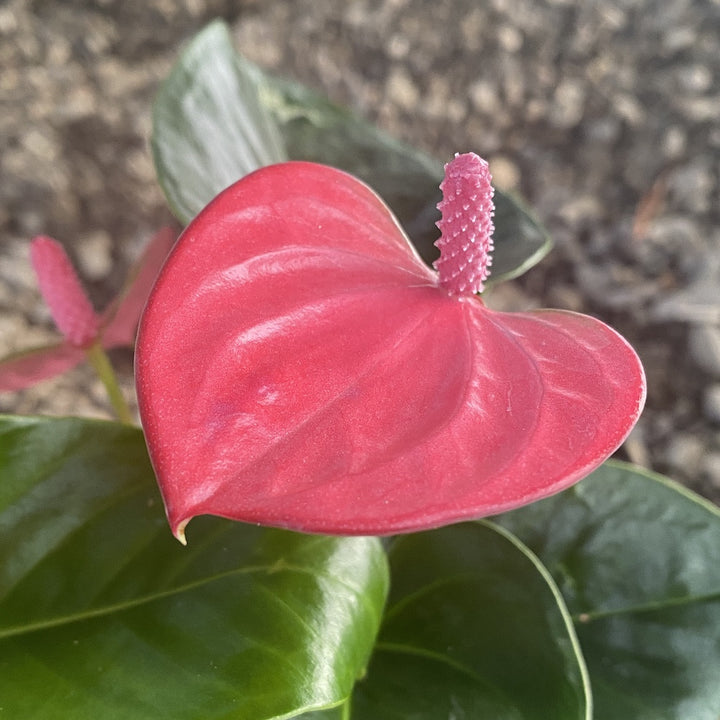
(466, 225)
(298, 365)
(69, 306)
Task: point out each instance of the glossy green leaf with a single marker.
(104, 615)
(209, 129)
(475, 628)
(407, 179)
(218, 117)
(637, 559)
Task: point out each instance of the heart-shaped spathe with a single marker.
(299, 366)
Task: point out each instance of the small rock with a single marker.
(671, 238)
(701, 109)
(614, 287)
(711, 403)
(96, 257)
(505, 172)
(41, 144)
(685, 453)
(630, 109)
(8, 21)
(604, 130)
(692, 185)
(483, 96)
(662, 425)
(79, 102)
(472, 28)
(510, 38)
(678, 38)
(711, 468)
(674, 142)
(569, 103)
(401, 88)
(513, 83)
(30, 222)
(580, 209)
(696, 78)
(398, 46)
(704, 347)
(698, 303)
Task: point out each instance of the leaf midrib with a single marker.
(152, 597)
(584, 618)
(425, 654)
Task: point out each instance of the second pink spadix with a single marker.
(299, 366)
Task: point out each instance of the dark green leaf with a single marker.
(104, 615)
(209, 129)
(407, 179)
(474, 629)
(219, 116)
(637, 559)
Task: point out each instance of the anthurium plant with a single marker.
(395, 501)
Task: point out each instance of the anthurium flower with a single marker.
(74, 315)
(299, 366)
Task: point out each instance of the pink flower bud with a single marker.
(466, 225)
(59, 285)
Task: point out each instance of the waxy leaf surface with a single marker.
(637, 559)
(219, 117)
(406, 178)
(474, 628)
(204, 136)
(298, 365)
(104, 615)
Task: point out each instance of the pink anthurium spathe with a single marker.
(298, 365)
(75, 317)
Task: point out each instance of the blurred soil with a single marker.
(604, 115)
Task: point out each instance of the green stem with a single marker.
(101, 363)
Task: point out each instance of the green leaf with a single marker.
(219, 117)
(475, 628)
(209, 129)
(637, 559)
(407, 179)
(104, 615)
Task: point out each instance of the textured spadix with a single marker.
(466, 225)
(298, 365)
(69, 305)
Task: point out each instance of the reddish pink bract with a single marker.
(299, 366)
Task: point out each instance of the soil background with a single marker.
(603, 115)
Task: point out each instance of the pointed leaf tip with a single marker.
(466, 225)
(179, 532)
(69, 306)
